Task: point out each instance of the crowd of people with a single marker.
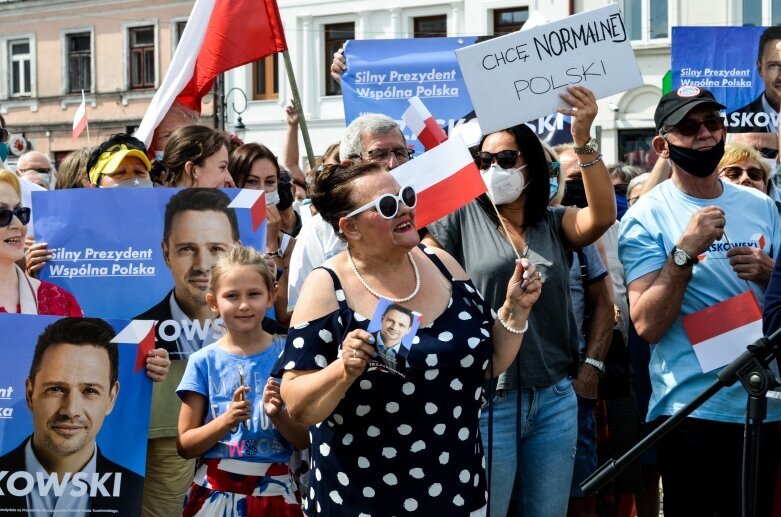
(550, 318)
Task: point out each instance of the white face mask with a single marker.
(773, 165)
(504, 185)
(272, 198)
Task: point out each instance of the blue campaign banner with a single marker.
(701, 58)
(382, 74)
(107, 245)
(67, 419)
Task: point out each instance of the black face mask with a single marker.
(285, 192)
(575, 194)
(697, 163)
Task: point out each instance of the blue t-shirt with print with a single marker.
(649, 231)
(214, 373)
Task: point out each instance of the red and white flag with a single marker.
(220, 35)
(445, 179)
(721, 332)
(423, 125)
(255, 202)
(80, 119)
(141, 332)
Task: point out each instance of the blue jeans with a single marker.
(548, 424)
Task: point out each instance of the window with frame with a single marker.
(20, 55)
(265, 78)
(79, 62)
(179, 28)
(335, 36)
(755, 12)
(142, 57)
(430, 26)
(509, 20)
(647, 19)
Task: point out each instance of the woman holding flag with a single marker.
(534, 408)
(403, 441)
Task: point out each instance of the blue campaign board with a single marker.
(107, 245)
(382, 74)
(122, 438)
(723, 60)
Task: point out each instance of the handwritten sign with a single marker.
(519, 77)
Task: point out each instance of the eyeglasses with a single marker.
(402, 154)
(504, 159)
(631, 201)
(21, 213)
(692, 127)
(735, 173)
(42, 170)
(768, 152)
(387, 205)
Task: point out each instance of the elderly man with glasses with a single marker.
(35, 167)
(676, 245)
(369, 138)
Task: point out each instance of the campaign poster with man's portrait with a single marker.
(74, 415)
(740, 65)
(147, 253)
(393, 327)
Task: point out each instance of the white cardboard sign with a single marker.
(518, 77)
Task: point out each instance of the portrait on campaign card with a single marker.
(393, 327)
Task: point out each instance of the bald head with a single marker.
(35, 166)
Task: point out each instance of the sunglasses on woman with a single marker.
(735, 173)
(504, 159)
(21, 213)
(387, 205)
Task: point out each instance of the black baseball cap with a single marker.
(676, 104)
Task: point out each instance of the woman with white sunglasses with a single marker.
(405, 440)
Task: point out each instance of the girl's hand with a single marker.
(525, 285)
(583, 112)
(239, 409)
(157, 364)
(272, 401)
(357, 349)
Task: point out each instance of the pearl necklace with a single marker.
(378, 295)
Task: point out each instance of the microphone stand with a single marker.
(752, 369)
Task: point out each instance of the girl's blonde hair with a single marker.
(239, 255)
(9, 177)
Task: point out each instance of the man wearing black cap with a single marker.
(675, 247)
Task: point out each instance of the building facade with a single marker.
(118, 50)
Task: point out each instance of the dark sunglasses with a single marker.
(387, 205)
(21, 213)
(692, 127)
(735, 173)
(504, 159)
(768, 152)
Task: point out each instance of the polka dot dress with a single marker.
(396, 446)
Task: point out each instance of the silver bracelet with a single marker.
(508, 328)
(589, 164)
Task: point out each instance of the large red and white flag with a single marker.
(721, 332)
(80, 119)
(445, 178)
(423, 125)
(220, 35)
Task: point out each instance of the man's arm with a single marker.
(599, 294)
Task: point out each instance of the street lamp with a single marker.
(239, 126)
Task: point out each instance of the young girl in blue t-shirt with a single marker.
(232, 416)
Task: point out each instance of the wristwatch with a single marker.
(275, 254)
(599, 365)
(681, 258)
(592, 146)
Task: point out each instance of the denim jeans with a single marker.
(548, 423)
(586, 456)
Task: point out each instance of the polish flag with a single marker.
(141, 332)
(80, 119)
(422, 123)
(721, 332)
(255, 201)
(220, 35)
(445, 179)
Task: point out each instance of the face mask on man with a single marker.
(554, 187)
(621, 202)
(575, 194)
(697, 163)
(504, 185)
